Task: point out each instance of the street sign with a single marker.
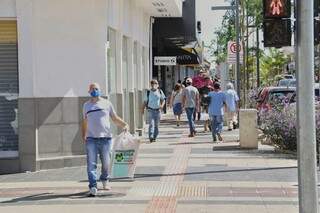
(232, 52)
(165, 61)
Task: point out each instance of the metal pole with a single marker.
(258, 58)
(307, 175)
(247, 44)
(246, 84)
(238, 47)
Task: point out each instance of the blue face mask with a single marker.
(95, 93)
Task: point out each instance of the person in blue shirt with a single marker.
(232, 108)
(217, 103)
(154, 101)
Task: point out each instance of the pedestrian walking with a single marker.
(205, 100)
(97, 136)
(190, 101)
(232, 107)
(199, 82)
(154, 101)
(217, 101)
(176, 102)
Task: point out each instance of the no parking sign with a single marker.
(232, 52)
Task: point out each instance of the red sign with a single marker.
(276, 7)
(233, 48)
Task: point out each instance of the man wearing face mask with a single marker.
(154, 101)
(96, 134)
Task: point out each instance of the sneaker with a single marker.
(93, 191)
(235, 125)
(152, 140)
(105, 185)
(214, 139)
(191, 135)
(229, 129)
(219, 137)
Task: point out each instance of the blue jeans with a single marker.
(154, 119)
(95, 146)
(190, 112)
(217, 124)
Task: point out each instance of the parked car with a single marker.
(287, 83)
(316, 93)
(269, 96)
(287, 76)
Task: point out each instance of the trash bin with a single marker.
(248, 129)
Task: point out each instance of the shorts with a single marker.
(177, 109)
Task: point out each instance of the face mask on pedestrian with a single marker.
(95, 93)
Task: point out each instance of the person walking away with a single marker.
(232, 107)
(205, 100)
(199, 82)
(154, 101)
(97, 136)
(217, 101)
(176, 102)
(190, 101)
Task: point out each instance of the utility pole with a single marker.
(258, 57)
(238, 46)
(306, 130)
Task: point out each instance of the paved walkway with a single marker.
(175, 174)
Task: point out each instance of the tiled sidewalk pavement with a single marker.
(175, 174)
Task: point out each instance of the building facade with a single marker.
(177, 37)
(50, 51)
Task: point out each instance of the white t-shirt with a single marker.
(98, 117)
(177, 97)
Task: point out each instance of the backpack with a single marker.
(148, 94)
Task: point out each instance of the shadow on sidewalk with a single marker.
(52, 196)
(188, 143)
(138, 176)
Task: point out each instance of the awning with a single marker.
(183, 57)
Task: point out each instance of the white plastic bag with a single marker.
(124, 154)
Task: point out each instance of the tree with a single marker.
(225, 33)
(272, 65)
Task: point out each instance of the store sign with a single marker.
(166, 61)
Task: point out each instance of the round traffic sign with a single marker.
(233, 48)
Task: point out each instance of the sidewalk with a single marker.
(175, 174)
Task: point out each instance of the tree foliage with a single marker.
(272, 65)
(225, 33)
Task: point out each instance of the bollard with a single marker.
(248, 129)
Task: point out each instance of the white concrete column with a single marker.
(140, 71)
(248, 129)
(25, 48)
(132, 73)
(119, 53)
(146, 71)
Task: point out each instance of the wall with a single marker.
(61, 35)
(62, 48)
(7, 8)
